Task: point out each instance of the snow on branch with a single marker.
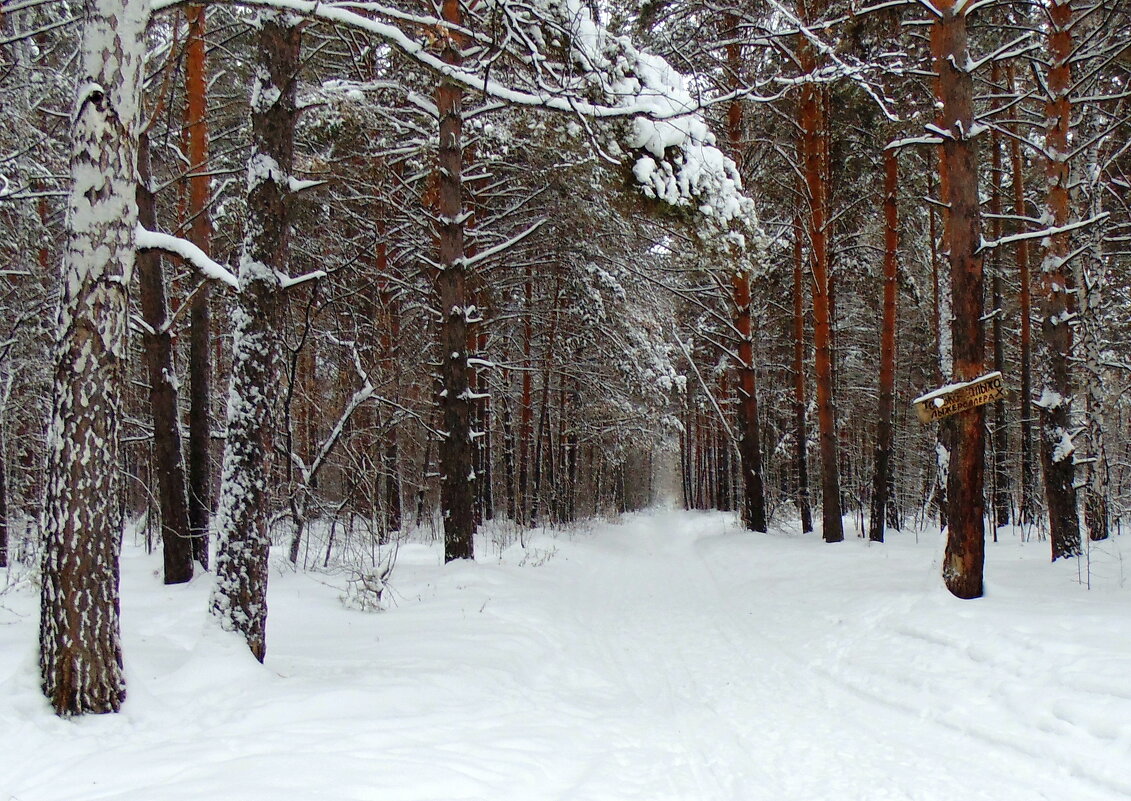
(471, 261)
(1051, 231)
(152, 240)
(608, 78)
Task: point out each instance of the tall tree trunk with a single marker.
(1026, 510)
(812, 119)
(3, 493)
(157, 339)
(1001, 502)
(200, 315)
(457, 464)
(526, 405)
(390, 337)
(962, 562)
(1090, 272)
(80, 652)
(749, 444)
(800, 427)
(882, 478)
(509, 449)
(239, 599)
(1056, 304)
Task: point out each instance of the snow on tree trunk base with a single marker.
(80, 654)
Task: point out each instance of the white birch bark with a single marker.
(80, 648)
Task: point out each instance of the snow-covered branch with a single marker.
(152, 240)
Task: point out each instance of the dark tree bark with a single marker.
(457, 459)
(3, 494)
(1057, 304)
(1001, 504)
(526, 406)
(240, 597)
(881, 481)
(200, 315)
(1026, 511)
(749, 443)
(962, 562)
(157, 339)
(813, 155)
(800, 426)
(80, 652)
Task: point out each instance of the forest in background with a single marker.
(385, 244)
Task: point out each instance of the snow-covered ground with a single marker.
(671, 656)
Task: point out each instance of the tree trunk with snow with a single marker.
(963, 560)
(1027, 501)
(749, 442)
(239, 599)
(157, 342)
(1001, 484)
(1057, 306)
(457, 462)
(200, 314)
(80, 654)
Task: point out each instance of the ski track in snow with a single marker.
(669, 658)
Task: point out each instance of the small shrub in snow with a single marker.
(365, 589)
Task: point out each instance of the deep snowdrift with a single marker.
(669, 657)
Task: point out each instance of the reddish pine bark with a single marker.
(813, 152)
(1056, 303)
(457, 465)
(964, 556)
(200, 315)
(749, 444)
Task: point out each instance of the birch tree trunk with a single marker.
(239, 599)
(80, 653)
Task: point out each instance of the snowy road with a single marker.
(670, 658)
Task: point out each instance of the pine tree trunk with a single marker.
(812, 151)
(239, 599)
(962, 562)
(157, 339)
(1026, 510)
(457, 462)
(882, 477)
(1057, 305)
(1001, 504)
(800, 426)
(509, 451)
(200, 315)
(526, 406)
(80, 653)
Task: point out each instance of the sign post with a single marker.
(955, 398)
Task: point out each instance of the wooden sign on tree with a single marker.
(955, 398)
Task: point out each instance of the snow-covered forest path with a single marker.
(672, 657)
